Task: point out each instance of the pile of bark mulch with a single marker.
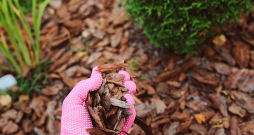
(207, 94)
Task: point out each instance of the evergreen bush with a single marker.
(183, 24)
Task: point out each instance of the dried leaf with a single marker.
(5, 100)
(219, 40)
(200, 118)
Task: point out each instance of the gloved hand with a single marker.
(75, 117)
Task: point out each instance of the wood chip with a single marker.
(119, 103)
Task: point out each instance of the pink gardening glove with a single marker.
(75, 117)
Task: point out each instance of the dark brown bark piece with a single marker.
(162, 89)
(225, 53)
(184, 127)
(223, 68)
(116, 82)
(105, 101)
(167, 75)
(95, 131)
(115, 76)
(10, 128)
(111, 111)
(144, 127)
(206, 77)
(219, 102)
(102, 88)
(233, 125)
(235, 109)
(3, 122)
(96, 116)
(241, 53)
(200, 129)
(27, 126)
(120, 125)
(20, 115)
(184, 116)
(107, 67)
(123, 65)
(110, 86)
(243, 100)
(248, 128)
(89, 101)
(123, 89)
(98, 98)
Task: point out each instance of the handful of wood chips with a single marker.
(107, 105)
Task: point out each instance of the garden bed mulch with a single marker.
(206, 94)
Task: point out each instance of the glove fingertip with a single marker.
(130, 100)
(131, 86)
(95, 71)
(126, 74)
(95, 81)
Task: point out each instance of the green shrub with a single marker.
(183, 24)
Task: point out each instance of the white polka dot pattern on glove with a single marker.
(75, 117)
